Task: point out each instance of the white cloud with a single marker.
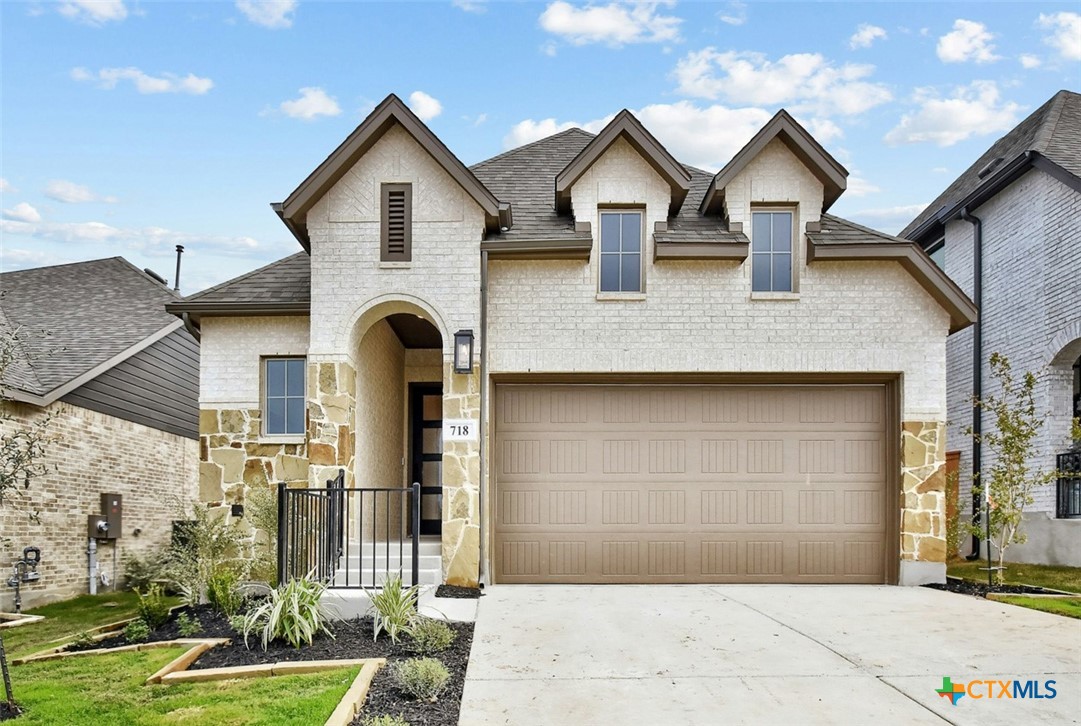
(968, 41)
(734, 14)
(93, 12)
(549, 49)
(471, 6)
(822, 129)
(155, 241)
(5, 186)
(528, 131)
(859, 186)
(108, 78)
(1029, 61)
(940, 170)
(72, 193)
(312, 103)
(424, 106)
(888, 219)
(22, 212)
(865, 35)
(975, 109)
(1065, 36)
(614, 24)
(13, 258)
(268, 13)
(807, 80)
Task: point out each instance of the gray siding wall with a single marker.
(157, 387)
(1031, 305)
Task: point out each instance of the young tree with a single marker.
(22, 454)
(1008, 483)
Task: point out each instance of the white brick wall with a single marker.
(92, 454)
(347, 277)
(1031, 295)
(230, 352)
(698, 316)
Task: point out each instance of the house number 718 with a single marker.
(459, 430)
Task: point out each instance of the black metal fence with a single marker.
(1069, 485)
(349, 537)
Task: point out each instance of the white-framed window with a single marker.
(621, 251)
(771, 251)
(283, 396)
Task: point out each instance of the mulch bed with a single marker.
(352, 639)
(459, 593)
(980, 589)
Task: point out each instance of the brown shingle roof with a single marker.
(76, 317)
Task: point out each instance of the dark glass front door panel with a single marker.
(426, 421)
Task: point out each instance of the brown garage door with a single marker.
(629, 483)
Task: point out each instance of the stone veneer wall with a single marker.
(233, 458)
(461, 482)
(923, 499)
(332, 412)
(93, 453)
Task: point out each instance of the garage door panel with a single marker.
(689, 484)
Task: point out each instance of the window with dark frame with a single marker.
(396, 223)
(621, 252)
(283, 400)
(771, 250)
(937, 253)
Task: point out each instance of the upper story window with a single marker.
(771, 250)
(621, 252)
(937, 253)
(283, 401)
(396, 223)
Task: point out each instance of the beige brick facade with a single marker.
(93, 453)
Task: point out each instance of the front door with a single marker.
(426, 447)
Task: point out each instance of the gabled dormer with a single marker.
(624, 126)
(784, 129)
(391, 113)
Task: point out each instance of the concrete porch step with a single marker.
(426, 562)
(355, 577)
(428, 547)
(353, 602)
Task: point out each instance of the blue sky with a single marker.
(130, 127)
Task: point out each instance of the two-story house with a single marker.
(599, 363)
(1008, 231)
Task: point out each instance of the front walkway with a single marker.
(760, 654)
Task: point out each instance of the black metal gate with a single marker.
(348, 537)
(1069, 485)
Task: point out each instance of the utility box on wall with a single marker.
(112, 506)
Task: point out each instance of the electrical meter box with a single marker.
(112, 509)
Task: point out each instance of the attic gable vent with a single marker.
(396, 223)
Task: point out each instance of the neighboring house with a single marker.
(1019, 205)
(676, 376)
(119, 376)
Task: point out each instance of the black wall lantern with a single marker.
(463, 351)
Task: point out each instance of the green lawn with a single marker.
(64, 620)
(1070, 607)
(108, 689)
(1054, 577)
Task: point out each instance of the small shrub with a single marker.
(422, 678)
(223, 594)
(237, 623)
(293, 613)
(394, 608)
(83, 640)
(201, 547)
(430, 636)
(140, 572)
(153, 607)
(188, 626)
(385, 720)
(137, 631)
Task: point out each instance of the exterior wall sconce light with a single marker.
(463, 351)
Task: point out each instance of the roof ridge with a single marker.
(516, 149)
(1046, 132)
(238, 278)
(62, 264)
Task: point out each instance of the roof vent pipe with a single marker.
(176, 278)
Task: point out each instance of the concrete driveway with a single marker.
(761, 654)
